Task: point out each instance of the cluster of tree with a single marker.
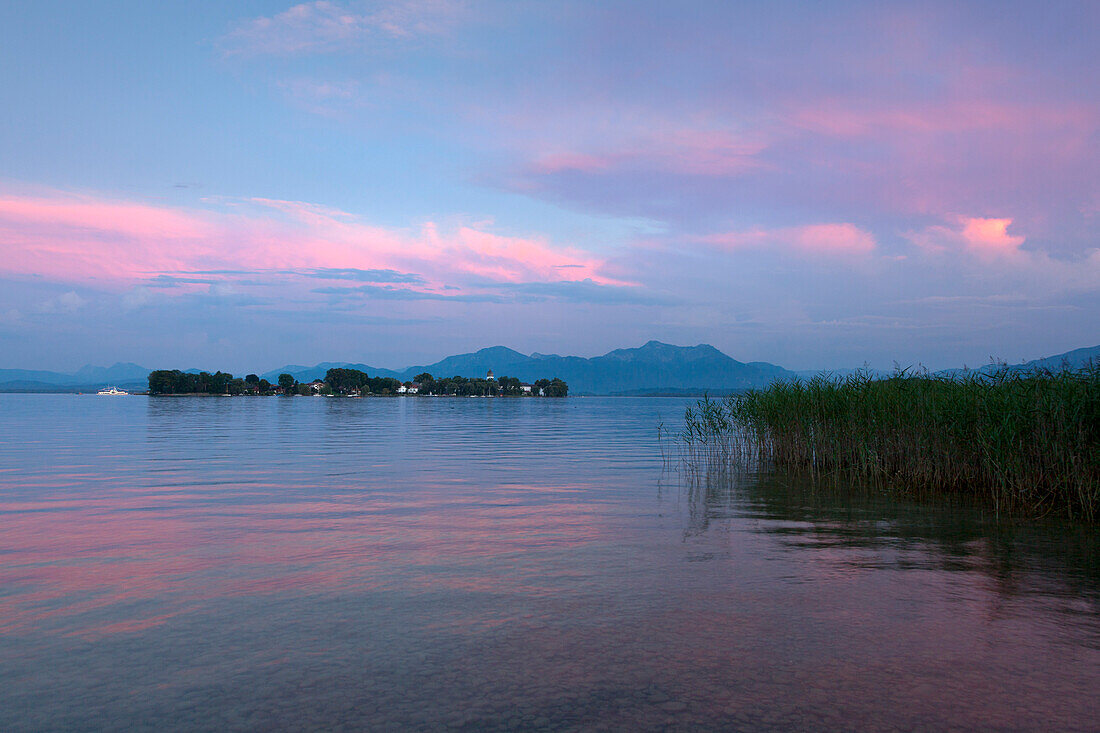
(502, 387)
(552, 387)
(347, 381)
(344, 381)
(290, 386)
(164, 381)
(461, 387)
(253, 383)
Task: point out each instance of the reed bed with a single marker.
(1021, 442)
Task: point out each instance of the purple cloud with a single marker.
(326, 27)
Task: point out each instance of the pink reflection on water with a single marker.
(134, 559)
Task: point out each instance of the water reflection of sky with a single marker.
(294, 563)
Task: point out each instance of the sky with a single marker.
(818, 185)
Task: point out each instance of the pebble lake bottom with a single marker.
(501, 564)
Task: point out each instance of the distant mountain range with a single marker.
(89, 377)
(1076, 359)
(655, 368)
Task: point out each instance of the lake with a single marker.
(437, 563)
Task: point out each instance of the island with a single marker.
(350, 383)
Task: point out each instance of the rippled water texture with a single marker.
(429, 563)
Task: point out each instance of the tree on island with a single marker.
(342, 381)
(426, 382)
(346, 382)
(173, 381)
(510, 387)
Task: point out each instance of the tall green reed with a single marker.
(1022, 441)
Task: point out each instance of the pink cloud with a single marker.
(702, 152)
(511, 259)
(890, 123)
(990, 236)
(76, 238)
(685, 150)
(80, 239)
(120, 218)
(567, 161)
(592, 137)
(829, 239)
(857, 118)
(338, 239)
(985, 237)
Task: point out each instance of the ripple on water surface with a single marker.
(423, 563)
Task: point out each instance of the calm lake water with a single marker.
(420, 563)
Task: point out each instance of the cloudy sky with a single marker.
(816, 184)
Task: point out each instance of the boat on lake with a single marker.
(112, 391)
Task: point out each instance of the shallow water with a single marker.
(428, 563)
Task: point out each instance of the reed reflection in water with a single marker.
(431, 563)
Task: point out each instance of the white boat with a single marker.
(112, 391)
